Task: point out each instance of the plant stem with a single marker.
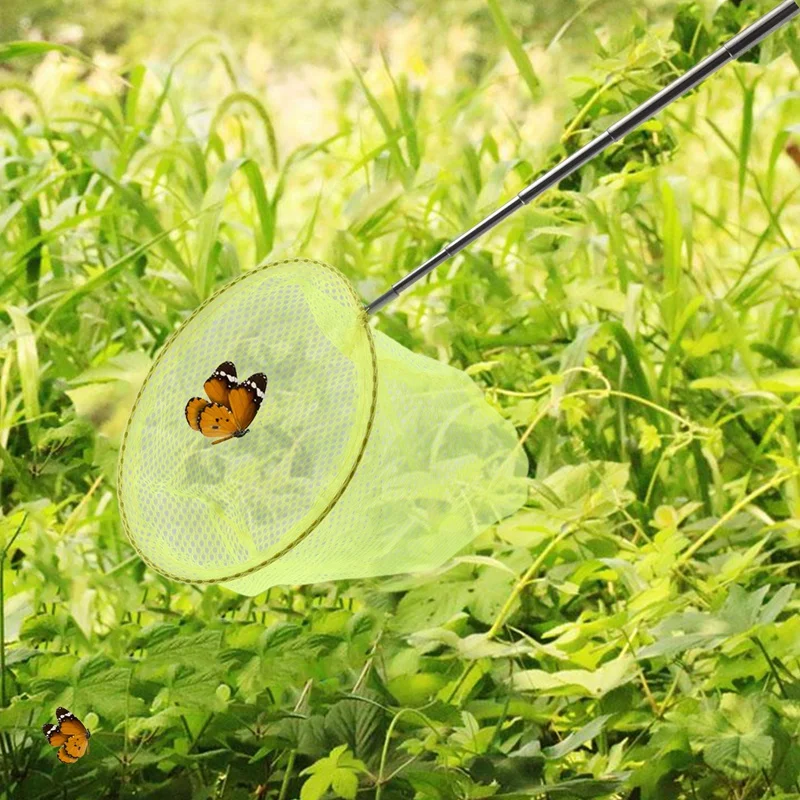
(732, 512)
(287, 776)
(523, 582)
(7, 744)
(771, 665)
(3, 555)
(386, 740)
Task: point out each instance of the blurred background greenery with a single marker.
(638, 325)
(293, 35)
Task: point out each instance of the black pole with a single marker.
(733, 48)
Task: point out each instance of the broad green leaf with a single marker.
(430, 606)
(741, 612)
(735, 737)
(588, 486)
(492, 589)
(194, 689)
(19, 714)
(345, 783)
(435, 785)
(740, 756)
(104, 688)
(316, 786)
(576, 682)
(103, 396)
(21, 655)
(414, 690)
(576, 739)
(672, 645)
(194, 650)
(357, 724)
(312, 738)
(786, 381)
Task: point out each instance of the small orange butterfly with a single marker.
(231, 407)
(70, 736)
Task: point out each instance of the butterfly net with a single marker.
(365, 459)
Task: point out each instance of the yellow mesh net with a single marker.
(365, 458)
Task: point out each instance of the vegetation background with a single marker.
(631, 633)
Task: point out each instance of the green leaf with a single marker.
(434, 785)
(515, 48)
(104, 395)
(253, 102)
(430, 606)
(21, 655)
(193, 688)
(492, 589)
(211, 216)
(575, 789)
(195, 650)
(576, 739)
(746, 136)
(27, 360)
(392, 136)
(578, 682)
(593, 489)
(19, 714)
(316, 786)
(357, 724)
(12, 50)
(735, 737)
(671, 645)
(345, 783)
(312, 739)
(771, 611)
(740, 756)
(638, 375)
(104, 688)
(447, 784)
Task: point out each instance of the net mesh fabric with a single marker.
(205, 513)
(365, 459)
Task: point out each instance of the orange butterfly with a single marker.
(231, 407)
(70, 736)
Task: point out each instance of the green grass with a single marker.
(633, 631)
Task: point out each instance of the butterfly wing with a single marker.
(219, 385)
(64, 756)
(76, 746)
(69, 724)
(193, 410)
(54, 736)
(70, 736)
(246, 399)
(217, 421)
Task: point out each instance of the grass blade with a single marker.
(262, 113)
(514, 47)
(212, 213)
(746, 136)
(12, 50)
(27, 361)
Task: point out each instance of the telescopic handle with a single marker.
(733, 48)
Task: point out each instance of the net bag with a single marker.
(365, 459)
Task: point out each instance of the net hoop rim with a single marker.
(363, 319)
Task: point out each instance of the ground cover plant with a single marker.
(632, 632)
